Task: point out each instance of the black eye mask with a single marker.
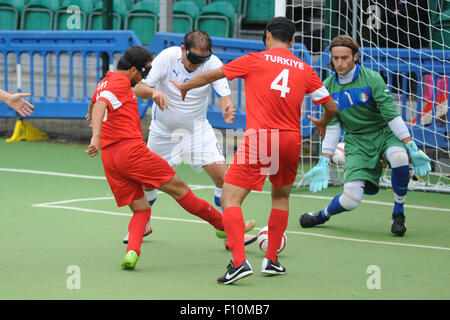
(145, 70)
(197, 58)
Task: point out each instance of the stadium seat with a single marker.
(143, 20)
(38, 15)
(95, 20)
(200, 3)
(256, 15)
(10, 11)
(62, 18)
(128, 3)
(184, 15)
(259, 11)
(237, 4)
(217, 19)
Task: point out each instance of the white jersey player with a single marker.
(179, 129)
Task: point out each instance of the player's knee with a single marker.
(229, 200)
(398, 158)
(175, 187)
(224, 200)
(351, 197)
(280, 197)
(219, 182)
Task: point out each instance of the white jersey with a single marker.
(168, 65)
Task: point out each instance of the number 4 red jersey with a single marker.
(276, 82)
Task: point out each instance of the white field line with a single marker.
(196, 187)
(70, 175)
(57, 205)
(50, 173)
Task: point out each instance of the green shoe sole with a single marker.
(130, 260)
(248, 227)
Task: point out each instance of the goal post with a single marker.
(408, 43)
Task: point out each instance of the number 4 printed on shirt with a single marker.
(283, 77)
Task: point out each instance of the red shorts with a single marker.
(276, 154)
(129, 165)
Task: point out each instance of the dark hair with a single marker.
(198, 40)
(135, 56)
(281, 28)
(344, 41)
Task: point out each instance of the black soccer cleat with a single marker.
(398, 224)
(269, 267)
(235, 273)
(311, 219)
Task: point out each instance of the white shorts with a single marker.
(198, 147)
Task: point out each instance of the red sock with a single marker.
(136, 229)
(201, 209)
(278, 221)
(233, 221)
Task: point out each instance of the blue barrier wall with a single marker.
(59, 43)
(87, 43)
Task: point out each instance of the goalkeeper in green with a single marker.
(373, 130)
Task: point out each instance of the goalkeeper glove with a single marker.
(319, 175)
(420, 161)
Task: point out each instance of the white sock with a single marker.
(217, 196)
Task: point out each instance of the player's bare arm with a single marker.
(16, 102)
(330, 109)
(199, 80)
(98, 113)
(89, 114)
(228, 109)
(143, 91)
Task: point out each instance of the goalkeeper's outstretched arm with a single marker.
(331, 140)
(420, 161)
(330, 109)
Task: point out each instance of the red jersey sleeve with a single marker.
(238, 68)
(113, 94)
(317, 91)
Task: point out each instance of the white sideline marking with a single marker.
(56, 205)
(50, 173)
(368, 241)
(196, 187)
(70, 175)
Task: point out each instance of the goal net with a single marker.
(408, 43)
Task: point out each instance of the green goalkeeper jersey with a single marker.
(364, 105)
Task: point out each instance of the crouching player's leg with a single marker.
(398, 159)
(348, 200)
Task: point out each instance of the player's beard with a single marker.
(134, 81)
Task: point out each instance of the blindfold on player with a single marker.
(197, 58)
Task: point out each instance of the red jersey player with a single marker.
(129, 165)
(276, 82)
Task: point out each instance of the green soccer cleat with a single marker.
(130, 260)
(248, 227)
